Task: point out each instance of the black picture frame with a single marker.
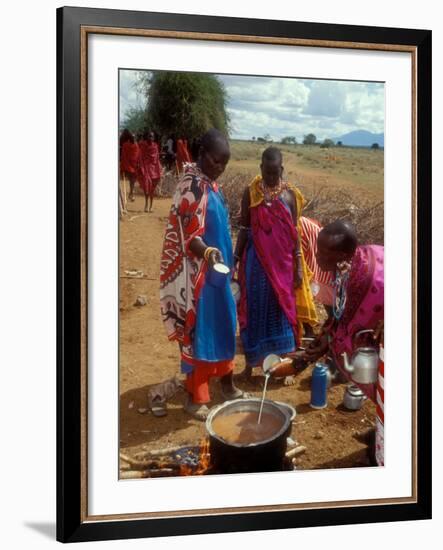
(72, 523)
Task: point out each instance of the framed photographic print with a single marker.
(226, 191)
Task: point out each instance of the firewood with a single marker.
(159, 452)
(153, 472)
(295, 452)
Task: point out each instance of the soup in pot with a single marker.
(242, 427)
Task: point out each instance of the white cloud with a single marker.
(129, 94)
(286, 106)
(326, 99)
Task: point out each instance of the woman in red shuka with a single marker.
(149, 170)
(129, 159)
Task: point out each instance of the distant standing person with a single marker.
(199, 316)
(150, 170)
(130, 156)
(169, 153)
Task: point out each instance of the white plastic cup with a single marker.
(217, 275)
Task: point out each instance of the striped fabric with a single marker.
(310, 230)
(380, 412)
(380, 400)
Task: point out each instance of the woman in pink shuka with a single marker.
(358, 304)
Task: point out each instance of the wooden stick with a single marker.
(160, 452)
(154, 472)
(142, 464)
(295, 452)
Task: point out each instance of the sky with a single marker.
(280, 107)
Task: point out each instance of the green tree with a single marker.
(135, 120)
(327, 143)
(185, 104)
(288, 140)
(309, 139)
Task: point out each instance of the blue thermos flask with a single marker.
(319, 386)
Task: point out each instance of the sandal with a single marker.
(159, 394)
(157, 404)
(198, 410)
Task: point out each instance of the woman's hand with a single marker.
(215, 257)
(317, 348)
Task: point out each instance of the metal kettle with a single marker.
(364, 363)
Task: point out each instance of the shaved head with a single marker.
(272, 154)
(336, 242)
(341, 236)
(214, 139)
(214, 153)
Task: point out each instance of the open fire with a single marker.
(179, 461)
(176, 461)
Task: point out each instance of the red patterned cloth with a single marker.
(182, 274)
(309, 235)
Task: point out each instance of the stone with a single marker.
(141, 300)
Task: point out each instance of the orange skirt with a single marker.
(197, 382)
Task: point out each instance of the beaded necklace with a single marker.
(340, 287)
(271, 193)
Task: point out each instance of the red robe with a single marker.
(149, 171)
(129, 158)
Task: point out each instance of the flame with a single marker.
(204, 461)
(185, 470)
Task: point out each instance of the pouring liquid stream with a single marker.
(267, 376)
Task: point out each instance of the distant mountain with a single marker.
(361, 138)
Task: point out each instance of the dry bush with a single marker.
(233, 187)
(168, 184)
(324, 203)
(367, 215)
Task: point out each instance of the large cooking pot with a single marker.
(263, 456)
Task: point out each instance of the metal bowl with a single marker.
(261, 456)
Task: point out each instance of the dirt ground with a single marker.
(147, 358)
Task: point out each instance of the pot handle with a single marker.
(360, 332)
